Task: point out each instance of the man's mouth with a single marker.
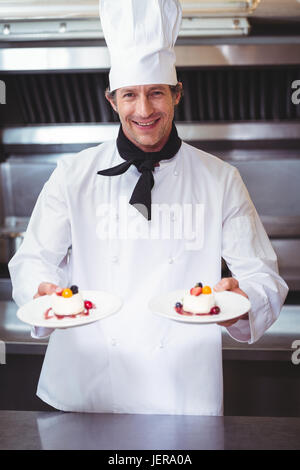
(146, 125)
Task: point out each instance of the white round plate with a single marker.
(232, 305)
(33, 312)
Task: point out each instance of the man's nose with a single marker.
(144, 106)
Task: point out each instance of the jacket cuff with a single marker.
(41, 332)
(260, 315)
(240, 331)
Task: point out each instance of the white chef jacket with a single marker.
(135, 361)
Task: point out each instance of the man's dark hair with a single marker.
(175, 90)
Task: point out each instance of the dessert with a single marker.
(68, 303)
(199, 301)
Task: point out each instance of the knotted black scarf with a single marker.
(145, 163)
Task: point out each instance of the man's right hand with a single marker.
(47, 288)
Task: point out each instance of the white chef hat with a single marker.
(140, 36)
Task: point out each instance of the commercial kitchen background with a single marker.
(240, 72)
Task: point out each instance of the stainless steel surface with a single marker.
(38, 9)
(22, 181)
(21, 9)
(211, 95)
(5, 289)
(36, 20)
(11, 236)
(12, 329)
(278, 339)
(219, 8)
(285, 226)
(241, 55)
(21, 59)
(263, 180)
(247, 131)
(61, 29)
(61, 134)
(50, 430)
(288, 253)
(190, 131)
(8, 246)
(54, 58)
(278, 9)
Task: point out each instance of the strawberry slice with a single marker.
(196, 291)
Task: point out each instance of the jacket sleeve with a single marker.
(42, 256)
(251, 259)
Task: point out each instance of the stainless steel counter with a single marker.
(276, 344)
(21, 430)
(16, 334)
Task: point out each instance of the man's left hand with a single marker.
(231, 284)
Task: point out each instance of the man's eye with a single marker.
(128, 95)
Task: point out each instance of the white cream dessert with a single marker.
(199, 301)
(67, 305)
(69, 301)
(202, 303)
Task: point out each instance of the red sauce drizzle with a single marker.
(184, 312)
(50, 314)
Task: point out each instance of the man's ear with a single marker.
(178, 97)
(111, 101)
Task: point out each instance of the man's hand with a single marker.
(46, 288)
(231, 284)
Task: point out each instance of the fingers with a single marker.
(47, 288)
(227, 283)
(228, 322)
(230, 284)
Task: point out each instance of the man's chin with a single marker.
(149, 144)
(147, 141)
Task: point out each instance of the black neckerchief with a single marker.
(145, 163)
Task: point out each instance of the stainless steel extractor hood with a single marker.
(237, 105)
(42, 9)
(76, 9)
(37, 20)
(79, 19)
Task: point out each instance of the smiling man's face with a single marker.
(146, 113)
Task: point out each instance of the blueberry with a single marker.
(199, 284)
(74, 289)
(178, 305)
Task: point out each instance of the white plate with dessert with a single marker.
(200, 304)
(69, 308)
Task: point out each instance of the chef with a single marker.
(141, 216)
